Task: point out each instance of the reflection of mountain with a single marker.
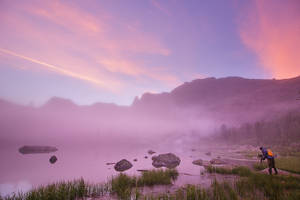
(195, 105)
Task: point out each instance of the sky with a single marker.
(114, 50)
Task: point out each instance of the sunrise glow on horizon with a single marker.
(111, 51)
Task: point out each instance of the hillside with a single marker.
(198, 106)
(237, 98)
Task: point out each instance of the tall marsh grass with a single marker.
(123, 185)
(63, 190)
(255, 186)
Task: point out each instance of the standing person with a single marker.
(268, 154)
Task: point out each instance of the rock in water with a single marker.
(208, 153)
(110, 163)
(198, 162)
(36, 149)
(168, 160)
(53, 159)
(151, 152)
(217, 161)
(122, 165)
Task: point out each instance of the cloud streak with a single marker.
(71, 28)
(57, 69)
(271, 31)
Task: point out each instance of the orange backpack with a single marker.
(270, 153)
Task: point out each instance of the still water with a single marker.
(20, 172)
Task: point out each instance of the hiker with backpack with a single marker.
(268, 154)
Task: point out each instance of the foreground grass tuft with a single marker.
(123, 184)
(157, 177)
(250, 185)
(70, 190)
(254, 186)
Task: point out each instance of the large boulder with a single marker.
(168, 160)
(122, 165)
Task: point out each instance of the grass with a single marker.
(289, 163)
(241, 170)
(260, 186)
(254, 186)
(260, 166)
(122, 185)
(250, 185)
(157, 177)
(70, 190)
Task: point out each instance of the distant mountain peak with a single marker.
(57, 102)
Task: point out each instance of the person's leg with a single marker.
(273, 163)
(270, 166)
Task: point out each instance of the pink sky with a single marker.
(112, 51)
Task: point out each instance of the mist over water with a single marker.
(88, 137)
(85, 160)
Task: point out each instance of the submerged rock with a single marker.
(122, 165)
(110, 163)
(198, 162)
(135, 160)
(146, 157)
(208, 153)
(37, 149)
(168, 160)
(217, 161)
(151, 152)
(53, 159)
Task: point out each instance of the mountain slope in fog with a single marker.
(234, 97)
(200, 105)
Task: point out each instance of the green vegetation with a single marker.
(241, 170)
(157, 177)
(123, 184)
(253, 186)
(260, 166)
(282, 131)
(289, 163)
(260, 186)
(62, 190)
(250, 185)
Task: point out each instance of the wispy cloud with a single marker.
(272, 31)
(73, 39)
(68, 16)
(69, 28)
(59, 70)
(138, 70)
